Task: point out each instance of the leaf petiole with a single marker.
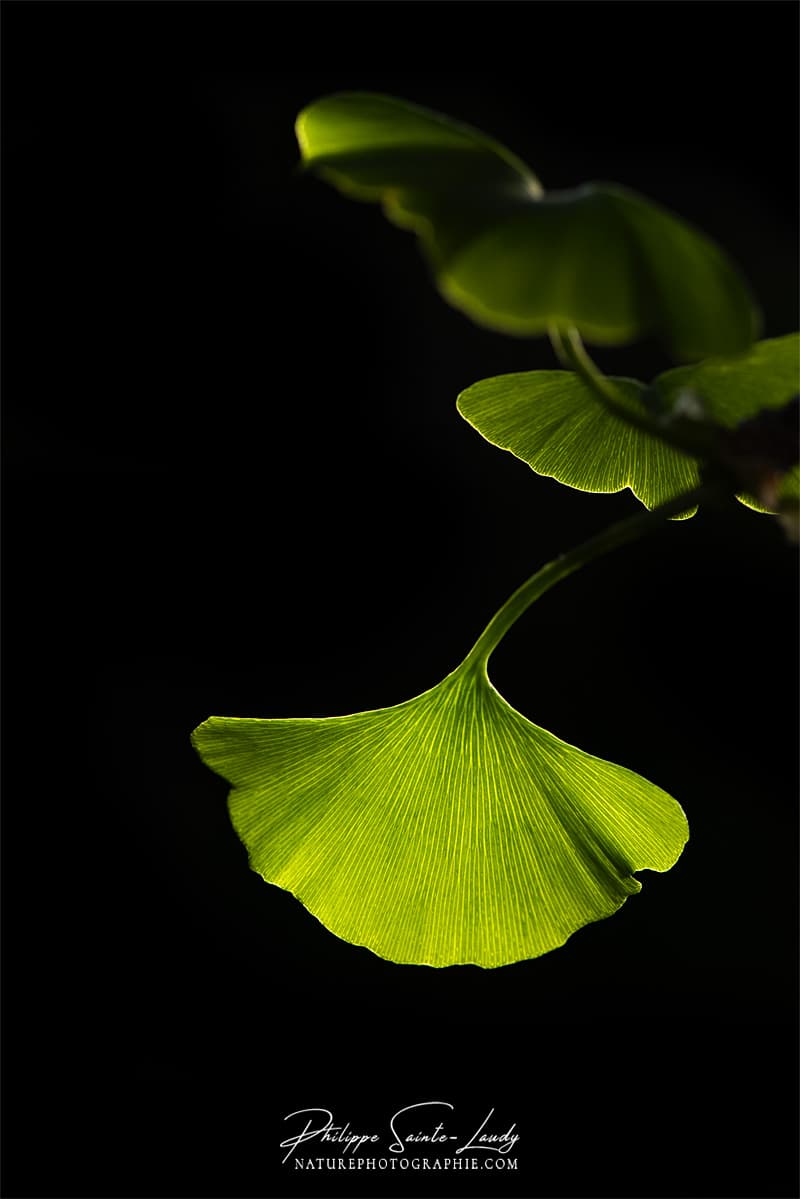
(619, 534)
(694, 438)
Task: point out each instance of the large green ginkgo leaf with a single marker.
(448, 829)
(597, 257)
(553, 420)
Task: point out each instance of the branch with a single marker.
(612, 538)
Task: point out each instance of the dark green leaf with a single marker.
(598, 257)
(734, 389)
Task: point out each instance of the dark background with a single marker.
(236, 483)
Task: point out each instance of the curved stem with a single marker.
(618, 534)
(571, 352)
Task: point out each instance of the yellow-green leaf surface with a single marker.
(598, 257)
(447, 829)
(553, 421)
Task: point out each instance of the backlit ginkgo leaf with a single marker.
(598, 257)
(555, 423)
(447, 829)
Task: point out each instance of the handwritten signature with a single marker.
(405, 1130)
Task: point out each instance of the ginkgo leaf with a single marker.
(555, 423)
(447, 829)
(734, 389)
(598, 257)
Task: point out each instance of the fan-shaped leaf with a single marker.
(448, 829)
(553, 421)
(598, 257)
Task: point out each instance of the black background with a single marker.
(236, 483)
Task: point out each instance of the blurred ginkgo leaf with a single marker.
(597, 257)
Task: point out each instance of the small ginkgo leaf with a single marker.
(597, 257)
(735, 389)
(445, 830)
(555, 423)
(732, 392)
